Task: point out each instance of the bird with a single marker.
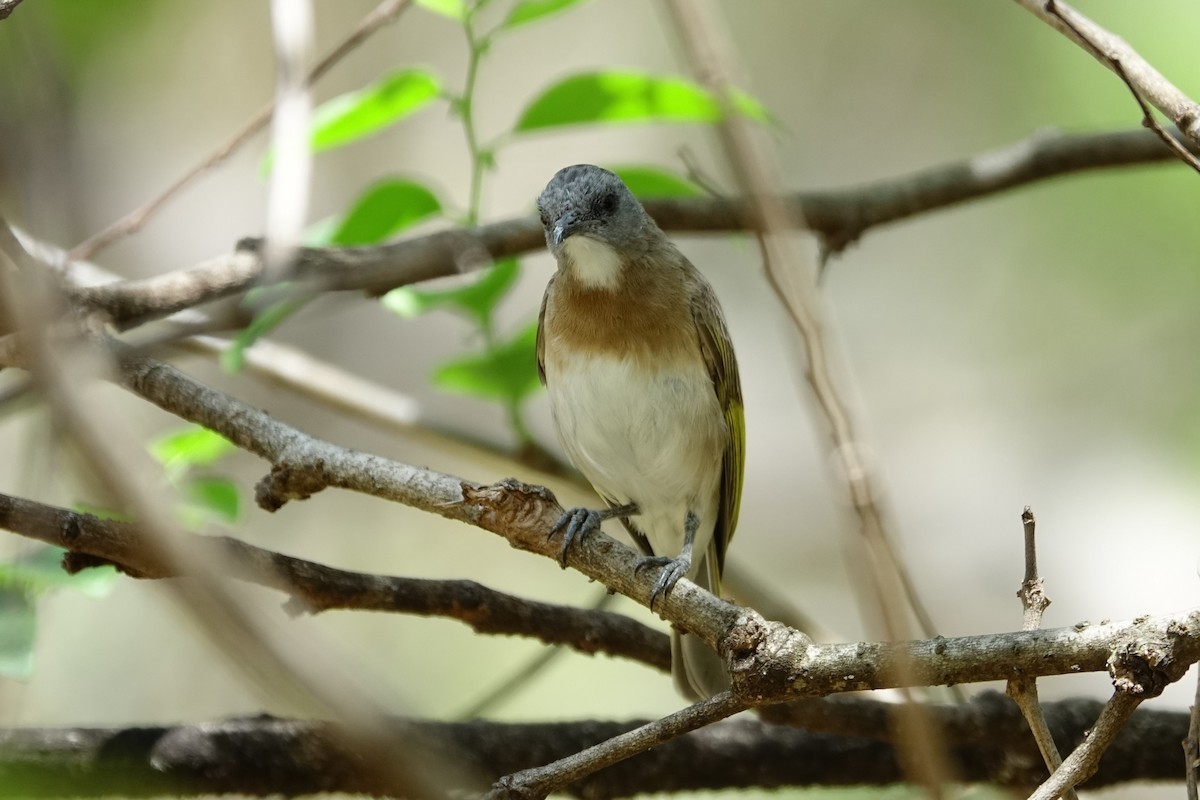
(634, 352)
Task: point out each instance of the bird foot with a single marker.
(672, 570)
(574, 525)
(579, 522)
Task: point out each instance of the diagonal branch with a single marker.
(315, 587)
(1115, 53)
(771, 662)
(538, 782)
(1084, 761)
(1112, 59)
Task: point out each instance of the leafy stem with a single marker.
(477, 46)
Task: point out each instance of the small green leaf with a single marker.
(192, 446)
(508, 373)
(454, 9)
(42, 570)
(385, 209)
(354, 115)
(648, 182)
(21, 581)
(530, 10)
(233, 358)
(627, 97)
(18, 633)
(476, 299)
(217, 497)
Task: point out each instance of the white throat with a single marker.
(594, 263)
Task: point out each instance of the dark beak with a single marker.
(564, 226)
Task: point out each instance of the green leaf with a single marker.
(476, 299)
(18, 633)
(454, 9)
(233, 358)
(21, 581)
(219, 498)
(627, 97)
(42, 570)
(508, 373)
(192, 446)
(648, 182)
(354, 115)
(531, 10)
(385, 209)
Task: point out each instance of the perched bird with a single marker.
(634, 351)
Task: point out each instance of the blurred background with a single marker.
(1034, 348)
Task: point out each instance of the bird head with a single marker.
(590, 202)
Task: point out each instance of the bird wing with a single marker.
(541, 333)
(717, 349)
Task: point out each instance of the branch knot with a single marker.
(1144, 666)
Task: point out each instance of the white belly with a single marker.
(651, 439)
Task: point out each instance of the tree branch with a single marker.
(839, 217)
(7, 7)
(770, 662)
(313, 587)
(1114, 53)
(263, 755)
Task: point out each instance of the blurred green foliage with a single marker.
(187, 456)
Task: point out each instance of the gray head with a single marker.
(590, 201)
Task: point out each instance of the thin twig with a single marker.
(133, 222)
(1024, 690)
(537, 783)
(1113, 61)
(1080, 765)
(1110, 49)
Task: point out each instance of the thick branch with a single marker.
(840, 217)
(263, 756)
(316, 587)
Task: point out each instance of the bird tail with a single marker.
(698, 671)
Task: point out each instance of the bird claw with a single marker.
(672, 570)
(574, 525)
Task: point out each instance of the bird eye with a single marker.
(544, 217)
(608, 203)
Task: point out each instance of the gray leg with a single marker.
(673, 568)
